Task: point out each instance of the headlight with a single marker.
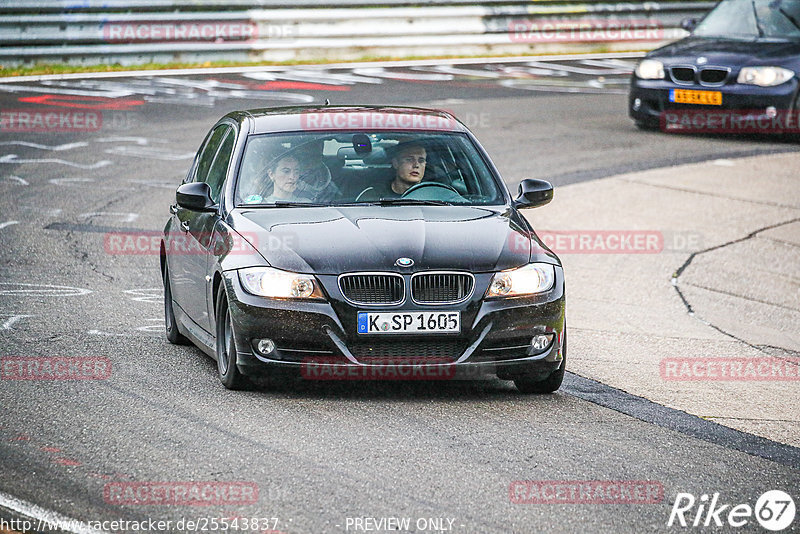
(650, 69)
(269, 282)
(764, 76)
(528, 280)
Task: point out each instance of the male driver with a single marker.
(408, 163)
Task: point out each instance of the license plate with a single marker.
(432, 322)
(687, 96)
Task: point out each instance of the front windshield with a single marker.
(752, 19)
(342, 168)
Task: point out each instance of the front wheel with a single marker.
(550, 384)
(229, 374)
(170, 323)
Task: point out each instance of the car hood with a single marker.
(729, 52)
(331, 240)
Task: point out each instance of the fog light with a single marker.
(541, 342)
(772, 112)
(637, 103)
(265, 347)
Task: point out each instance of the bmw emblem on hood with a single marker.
(702, 60)
(404, 262)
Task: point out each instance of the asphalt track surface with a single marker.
(321, 454)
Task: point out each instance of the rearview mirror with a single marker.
(533, 193)
(195, 196)
(689, 24)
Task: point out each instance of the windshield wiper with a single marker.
(290, 204)
(411, 202)
(755, 15)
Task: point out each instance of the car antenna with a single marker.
(327, 102)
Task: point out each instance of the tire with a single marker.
(527, 385)
(228, 373)
(170, 323)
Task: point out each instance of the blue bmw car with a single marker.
(743, 58)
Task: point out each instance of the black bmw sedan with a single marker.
(741, 60)
(364, 243)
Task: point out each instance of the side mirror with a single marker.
(533, 193)
(689, 24)
(195, 196)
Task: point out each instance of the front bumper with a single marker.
(319, 338)
(653, 96)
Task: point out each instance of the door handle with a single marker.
(173, 209)
(185, 226)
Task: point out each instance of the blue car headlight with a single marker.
(650, 69)
(764, 76)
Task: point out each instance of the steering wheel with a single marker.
(423, 185)
(361, 194)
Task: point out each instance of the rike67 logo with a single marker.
(774, 511)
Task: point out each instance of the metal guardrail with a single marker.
(138, 31)
(76, 6)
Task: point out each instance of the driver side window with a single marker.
(212, 164)
(219, 169)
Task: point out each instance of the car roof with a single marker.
(332, 118)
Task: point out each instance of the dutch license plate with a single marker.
(688, 96)
(431, 322)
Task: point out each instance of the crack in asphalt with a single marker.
(787, 351)
(782, 242)
(676, 275)
(677, 420)
(730, 294)
(83, 255)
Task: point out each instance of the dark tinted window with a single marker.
(349, 167)
(209, 152)
(750, 19)
(219, 168)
